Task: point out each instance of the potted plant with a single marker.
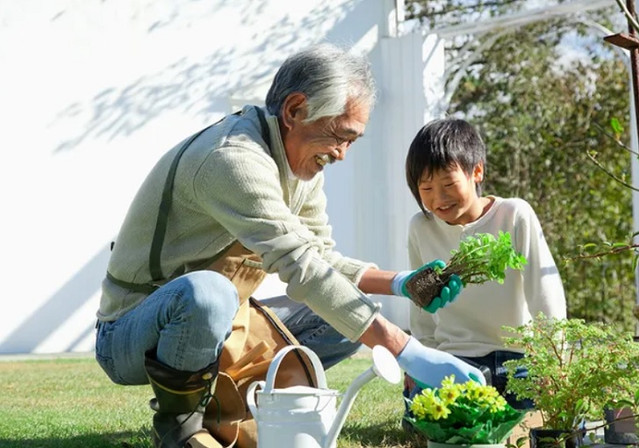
(622, 417)
(575, 371)
(622, 425)
(480, 258)
(468, 414)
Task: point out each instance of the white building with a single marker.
(93, 92)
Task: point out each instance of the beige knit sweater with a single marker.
(230, 185)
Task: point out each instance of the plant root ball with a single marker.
(424, 286)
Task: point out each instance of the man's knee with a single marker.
(213, 293)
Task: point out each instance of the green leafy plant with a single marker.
(480, 258)
(483, 258)
(606, 248)
(575, 369)
(463, 414)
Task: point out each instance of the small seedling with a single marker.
(480, 258)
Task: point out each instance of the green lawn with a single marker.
(71, 403)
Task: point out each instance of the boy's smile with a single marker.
(451, 195)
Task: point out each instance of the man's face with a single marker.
(310, 146)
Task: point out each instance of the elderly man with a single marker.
(250, 184)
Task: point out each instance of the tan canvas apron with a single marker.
(256, 336)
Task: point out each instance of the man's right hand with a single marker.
(428, 366)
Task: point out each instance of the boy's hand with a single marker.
(448, 293)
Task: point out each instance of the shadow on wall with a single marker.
(198, 88)
(202, 86)
(58, 308)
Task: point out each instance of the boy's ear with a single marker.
(478, 172)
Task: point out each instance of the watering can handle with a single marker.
(275, 364)
(250, 396)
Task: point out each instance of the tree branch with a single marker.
(613, 138)
(610, 174)
(613, 251)
(631, 20)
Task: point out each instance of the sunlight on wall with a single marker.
(94, 92)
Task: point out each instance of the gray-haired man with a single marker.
(253, 181)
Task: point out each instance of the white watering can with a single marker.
(305, 417)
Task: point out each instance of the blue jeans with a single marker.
(187, 321)
(495, 362)
(313, 331)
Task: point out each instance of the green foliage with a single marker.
(482, 257)
(541, 117)
(617, 127)
(575, 369)
(463, 414)
(539, 120)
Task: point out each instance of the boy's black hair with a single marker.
(442, 144)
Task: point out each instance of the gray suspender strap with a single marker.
(145, 288)
(163, 213)
(266, 132)
(160, 227)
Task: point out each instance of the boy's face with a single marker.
(450, 194)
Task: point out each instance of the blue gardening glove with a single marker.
(448, 293)
(428, 367)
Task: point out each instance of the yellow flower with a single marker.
(446, 410)
(440, 410)
(429, 406)
(423, 403)
(436, 404)
(449, 393)
(498, 404)
(448, 381)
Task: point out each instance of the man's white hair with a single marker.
(329, 77)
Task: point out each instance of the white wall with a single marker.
(93, 92)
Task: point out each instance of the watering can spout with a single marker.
(385, 366)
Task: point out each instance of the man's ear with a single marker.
(294, 109)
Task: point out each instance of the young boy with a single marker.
(444, 170)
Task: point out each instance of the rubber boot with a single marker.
(180, 401)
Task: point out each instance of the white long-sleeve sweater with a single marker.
(471, 325)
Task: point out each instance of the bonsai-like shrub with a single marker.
(575, 369)
(480, 258)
